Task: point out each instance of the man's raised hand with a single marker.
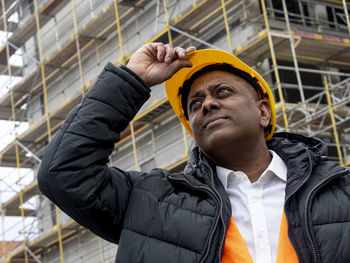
(157, 62)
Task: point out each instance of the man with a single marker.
(237, 193)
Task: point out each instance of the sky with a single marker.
(12, 179)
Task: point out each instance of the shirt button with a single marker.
(260, 234)
(238, 177)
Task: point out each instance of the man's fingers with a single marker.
(179, 64)
(169, 53)
(190, 49)
(180, 52)
(160, 52)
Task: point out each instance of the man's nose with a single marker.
(209, 103)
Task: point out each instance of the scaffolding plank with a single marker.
(153, 112)
(44, 240)
(15, 70)
(17, 212)
(191, 17)
(3, 56)
(12, 206)
(8, 157)
(312, 48)
(23, 33)
(9, 10)
(105, 23)
(11, 26)
(6, 111)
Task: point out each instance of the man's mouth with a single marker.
(213, 121)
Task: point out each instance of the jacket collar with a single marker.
(299, 152)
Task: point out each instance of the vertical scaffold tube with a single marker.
(4, 250)
(275, 69)
(102, 252)
(171, 42)
(346, 14)
(137, 168)
(228, 34)
(59, 233)
(295, 62)
(167, 22)
(18, 166)
(76, 36)
(119, 32)
(42, 66)
(334, 125)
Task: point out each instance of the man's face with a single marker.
(224, 110)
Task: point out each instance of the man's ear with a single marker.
(265, 113)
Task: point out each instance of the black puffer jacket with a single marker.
(162, 217)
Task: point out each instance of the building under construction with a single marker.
(301, 48)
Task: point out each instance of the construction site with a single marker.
(54, 50)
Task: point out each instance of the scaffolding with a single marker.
(301, 48)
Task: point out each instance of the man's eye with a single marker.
(222, 90)
(195, 103)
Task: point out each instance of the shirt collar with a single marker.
(277, 166)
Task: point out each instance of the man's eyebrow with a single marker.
(197, 93)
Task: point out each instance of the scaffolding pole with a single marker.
(59, 233)
(76, 35)
(4, 252)
(335, 132)
(275, 69)
(295, 62)
(47, 114)
(120, 39)
(167, 26)
(171, 42)
(227, 27)
(33, 255)
(42, 67)
(346, 15)
(102, 252)
(18, 166)
(137, 167)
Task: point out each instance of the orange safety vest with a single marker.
(236, 251)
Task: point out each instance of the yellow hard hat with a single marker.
(206, 57)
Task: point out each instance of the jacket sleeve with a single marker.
(74, 173)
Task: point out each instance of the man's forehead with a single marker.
(214, 79)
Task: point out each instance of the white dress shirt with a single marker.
(257, 207)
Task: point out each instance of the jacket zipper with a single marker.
(217, 219)
(221, 216)
(307, 213)
(305, 179)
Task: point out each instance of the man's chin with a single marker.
(216, 139)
